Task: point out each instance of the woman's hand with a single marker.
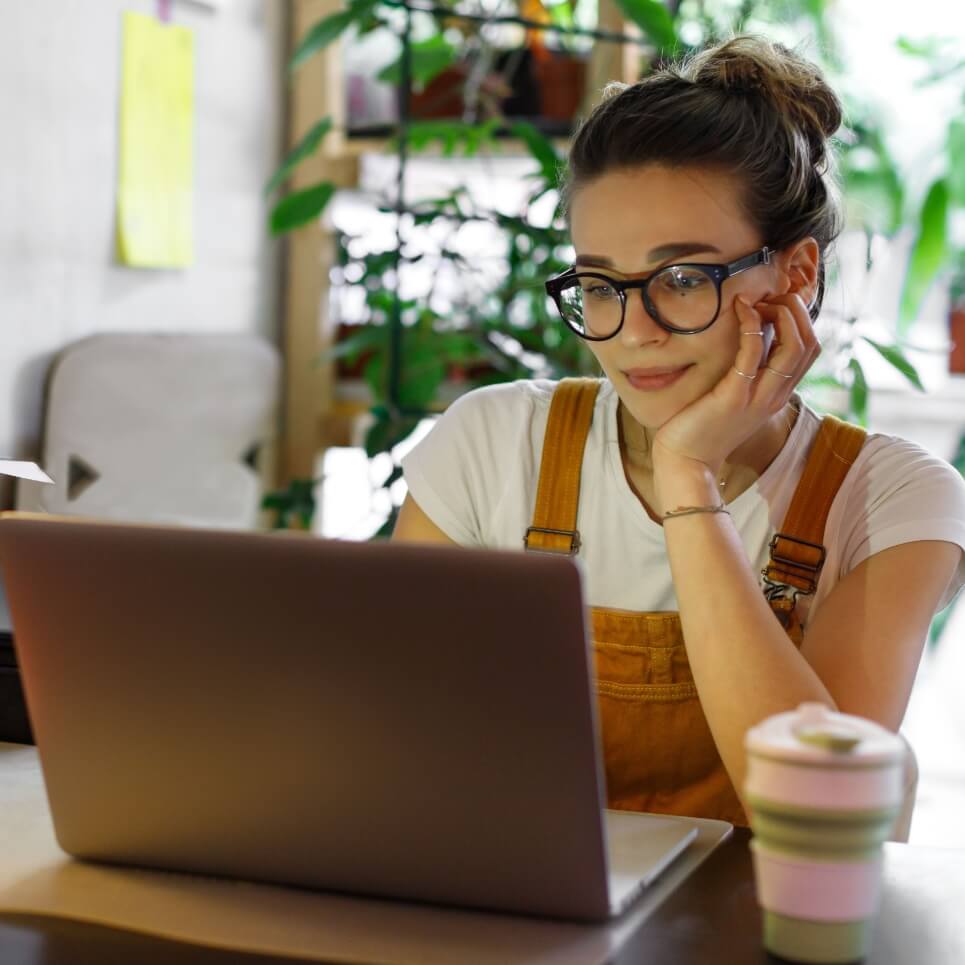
(707, 431)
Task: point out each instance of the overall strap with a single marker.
(797, 550)
(558, 493)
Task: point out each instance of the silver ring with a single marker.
(744, 375)
(781, 374)
(753, 333)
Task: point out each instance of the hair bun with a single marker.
(793, 86)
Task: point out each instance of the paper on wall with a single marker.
(155, 157)
(23, 470)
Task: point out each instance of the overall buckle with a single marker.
(794, 566)
(573, 534)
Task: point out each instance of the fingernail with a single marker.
(743, 300)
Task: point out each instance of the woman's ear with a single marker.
(802, 267)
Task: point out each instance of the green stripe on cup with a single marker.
(823, 942)
(818, 834)
(831, 814)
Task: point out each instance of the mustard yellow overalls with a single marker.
(658, 750)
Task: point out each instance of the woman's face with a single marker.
(627, 224)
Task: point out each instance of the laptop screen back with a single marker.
(384, 718)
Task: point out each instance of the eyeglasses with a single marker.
(684, 299)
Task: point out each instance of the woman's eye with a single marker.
(683, 281)
(599, 290)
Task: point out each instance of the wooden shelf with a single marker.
(341, 147)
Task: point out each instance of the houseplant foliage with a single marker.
(411, 346)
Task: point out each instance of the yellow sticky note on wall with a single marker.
(155, 164)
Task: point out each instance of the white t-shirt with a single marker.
(475, 475)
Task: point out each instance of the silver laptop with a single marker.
(379, 718)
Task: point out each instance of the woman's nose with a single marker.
(639, 326)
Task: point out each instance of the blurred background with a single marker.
(250, 249)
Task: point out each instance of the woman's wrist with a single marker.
(684, 482)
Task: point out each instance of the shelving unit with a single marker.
(317, 413)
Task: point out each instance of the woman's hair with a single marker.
(747, 107)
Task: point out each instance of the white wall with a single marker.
(59, 84)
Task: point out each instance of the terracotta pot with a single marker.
(562, 80)
(461, 374)
(442, 96)
(956, 332)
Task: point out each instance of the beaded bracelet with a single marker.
(690, 510)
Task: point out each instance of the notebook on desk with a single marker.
(387, 719)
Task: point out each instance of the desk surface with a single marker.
(712, 917)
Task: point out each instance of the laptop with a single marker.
(385, 719)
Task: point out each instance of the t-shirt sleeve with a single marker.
(459, 471)
(902, 494)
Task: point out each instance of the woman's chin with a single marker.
(652, 409)
(650, 416)
(652, 413)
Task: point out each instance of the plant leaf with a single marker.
(928, 48)
(429, 58)
(367, 337)
(422, 133)
(880, 196)
(815, 8)
(542, 150)
(654, 19)
(324, 32)
(297, 499)
(859, 392)
(821, 381)
(894, 355)
(386, 432)
(477, 135)
(956, 161)
(872, 177)
(929, 254)
(303, 149)
(301, 207)
(423, 370)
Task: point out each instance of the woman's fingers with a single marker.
(790, 351)
(797, 349)
(750, 354)
(766, 382)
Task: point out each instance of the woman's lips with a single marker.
(650, 379)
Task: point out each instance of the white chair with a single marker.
(158, 428)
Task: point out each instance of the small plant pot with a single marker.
(471, 373)
(562, 82)
(956, 332)
(442, 96)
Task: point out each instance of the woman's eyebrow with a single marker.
(675, 249)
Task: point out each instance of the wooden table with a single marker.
(712, 918)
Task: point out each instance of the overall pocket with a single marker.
(658, 751)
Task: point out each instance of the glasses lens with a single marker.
(685, 298)
(591, 306)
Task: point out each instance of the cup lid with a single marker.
(815, 733)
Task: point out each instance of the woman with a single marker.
(701, 209)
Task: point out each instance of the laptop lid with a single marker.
(391, 719)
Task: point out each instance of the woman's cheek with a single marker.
(597, 350)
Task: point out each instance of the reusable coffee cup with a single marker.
(824, 790)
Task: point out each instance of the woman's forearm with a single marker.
(744, 664)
